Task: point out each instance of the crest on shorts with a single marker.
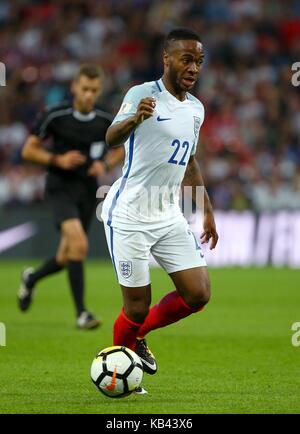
(125, 268)
(197, 123)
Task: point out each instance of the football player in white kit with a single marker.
(159, 122)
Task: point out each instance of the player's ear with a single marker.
(166, 58)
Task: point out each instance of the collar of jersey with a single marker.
(163, 89)
(84, 117)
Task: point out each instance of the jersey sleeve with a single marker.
(131, 102)
(41, 126)
(198, 121)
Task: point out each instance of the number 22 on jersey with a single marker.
(181, 150)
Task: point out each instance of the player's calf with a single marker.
(193, 285)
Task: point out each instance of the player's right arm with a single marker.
(136, 108)
(33, 151)
(119, 132)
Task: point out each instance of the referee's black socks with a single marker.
(50, 266)
(76, 278)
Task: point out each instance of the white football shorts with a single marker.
(174, 247)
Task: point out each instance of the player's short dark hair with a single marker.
(90, 71)
(180, 34)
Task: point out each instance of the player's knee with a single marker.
(199, 297)
(204, 296)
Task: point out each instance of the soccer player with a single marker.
(159, 122)
(78, 156)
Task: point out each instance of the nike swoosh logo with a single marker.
(150, 364)
(159, 119)
(113, 383)
(16, 235)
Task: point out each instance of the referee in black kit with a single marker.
(77, 157)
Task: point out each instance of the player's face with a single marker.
(183, 62)
(86, 92)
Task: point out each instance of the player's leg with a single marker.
(191, 295)
(181, 256)
(129, 251)
(136, 302)
(193, 286)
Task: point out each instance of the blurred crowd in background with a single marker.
(250, 140)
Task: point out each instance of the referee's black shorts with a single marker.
(71, 199)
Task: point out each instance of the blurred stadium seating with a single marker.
(250, 153)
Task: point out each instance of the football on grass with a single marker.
(117, 371)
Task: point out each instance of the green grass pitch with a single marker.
(235, 357)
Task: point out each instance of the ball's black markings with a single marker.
(104, 364)
(123, 377)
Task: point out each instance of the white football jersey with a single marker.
(157, 154)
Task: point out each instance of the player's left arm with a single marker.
(113, 158)
(194, 178)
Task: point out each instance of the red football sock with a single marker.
(170, 309)
(125, 331)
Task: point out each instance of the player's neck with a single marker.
(180, 95)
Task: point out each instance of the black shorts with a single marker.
(71, 199)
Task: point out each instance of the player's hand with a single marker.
(145, 110)
(70, 160)
(210, 231)
(97, 169)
